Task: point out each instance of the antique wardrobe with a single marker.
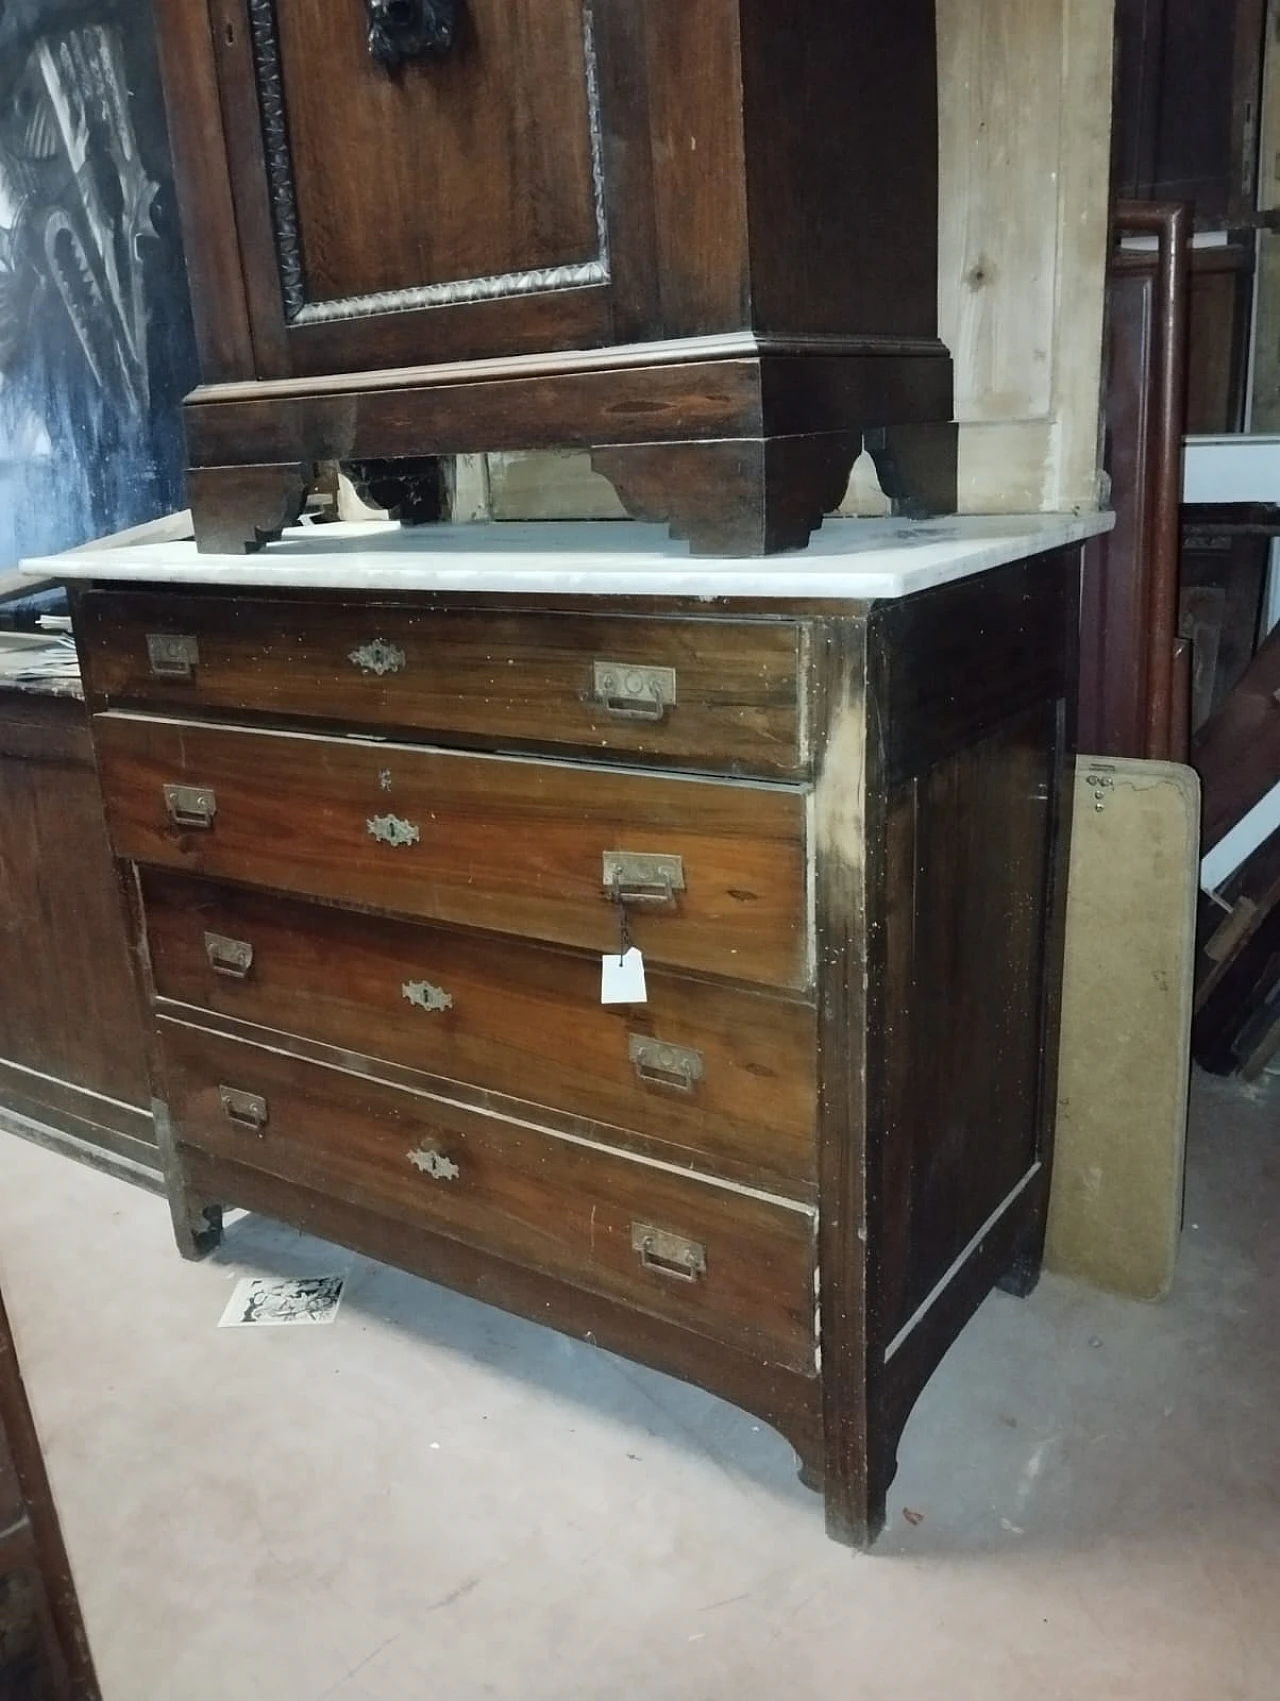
(696, 237)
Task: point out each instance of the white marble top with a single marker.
(856, 560)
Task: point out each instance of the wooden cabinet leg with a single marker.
(237, 510)
(197, 1224)
(917, 467)
(734, 496)
(1022, 1275)
(857, 1499)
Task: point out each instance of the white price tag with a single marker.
(622, 978)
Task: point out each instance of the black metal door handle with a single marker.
(402, 30)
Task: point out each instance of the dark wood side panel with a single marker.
(566, 1208)
(521, 1020)
(508, 845)
(69, 1012)
(513, 681)
(218, 301)
(842, 169)
(961, 660)
(965, 946)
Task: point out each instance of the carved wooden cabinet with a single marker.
(698, 240)
(381, 843)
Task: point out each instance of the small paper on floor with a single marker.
(313, 1299)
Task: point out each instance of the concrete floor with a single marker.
(433, 1502)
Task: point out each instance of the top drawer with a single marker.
(715, 694)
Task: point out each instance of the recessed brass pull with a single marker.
(391, 830)
(173, 655)
(634, 693)
(669, 1254)
(230, 957)
(191, 806)
(632, 878)
(246, 1110)
(659, 1065)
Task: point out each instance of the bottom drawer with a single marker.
(725, 1261)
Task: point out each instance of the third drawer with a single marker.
(717, 1077)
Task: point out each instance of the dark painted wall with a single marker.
(96, 347)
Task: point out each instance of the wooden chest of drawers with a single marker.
(379, 845)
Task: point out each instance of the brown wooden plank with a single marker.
(565, 1208)
(523, 1021)
(512, 682)
(504, 844)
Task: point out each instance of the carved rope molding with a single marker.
(284, 207)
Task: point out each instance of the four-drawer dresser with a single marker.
(388, 838)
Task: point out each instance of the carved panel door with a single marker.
(415, 180)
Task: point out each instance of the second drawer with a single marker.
(720, 1077)
(712, 872)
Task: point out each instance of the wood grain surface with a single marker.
(505, 679)
(562, 1207)
(525, 1021)
(509, 845)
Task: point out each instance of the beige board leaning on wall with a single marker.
(1025, 92)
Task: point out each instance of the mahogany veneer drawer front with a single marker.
(540, 850)
(702, 693)
(726, 1262)
(715, 1077)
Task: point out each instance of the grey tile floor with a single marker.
(432, 1502)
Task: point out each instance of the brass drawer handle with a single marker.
(246, 1110)
(631, 693)
(379, 657)
(630, 878)
(423, 996)
(173, 655)
(191, 806)
(391, 830)
(430, 1162)
(659, 1065)
(669, 1254)
(230, 957)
